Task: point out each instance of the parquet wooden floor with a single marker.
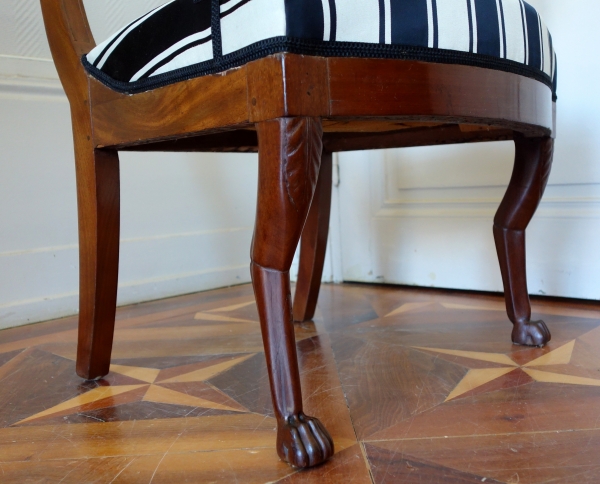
(415, 386)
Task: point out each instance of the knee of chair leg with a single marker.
(510, 225)
(254, 265)
(270, 261)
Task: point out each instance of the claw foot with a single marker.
(303, 441)
(531, 333)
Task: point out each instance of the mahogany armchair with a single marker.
(299, 81)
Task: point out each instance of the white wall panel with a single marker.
(407, 219)
(186, 219)
(424, 216)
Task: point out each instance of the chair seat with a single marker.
(183, 39)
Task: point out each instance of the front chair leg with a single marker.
(289, 159)
(533, 160)
(313, 245)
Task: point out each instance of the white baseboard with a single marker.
(20, 313)
(151, 268)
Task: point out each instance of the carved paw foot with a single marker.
(531, 333)
(303, 441)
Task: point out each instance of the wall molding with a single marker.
(31, 88)
(27, 67)
(128, 240)
(465, 181)
(29, 76)
(575, 208)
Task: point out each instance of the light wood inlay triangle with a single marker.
(233, 307)
(92, 396)
(144, 374)
(407, 307)
(491, 306)
(549, 377)
(559, 356)
(204, 374)
(477, 378)
(218, 317)
(160, 394)
(474, 355)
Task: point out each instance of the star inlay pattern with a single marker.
(186, 385)
(478, 377)
(156, 389)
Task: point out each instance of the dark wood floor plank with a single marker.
(323, 390)
(530, 458)
(347, 466)
(397, 381)
(527, 408)
(389, 465)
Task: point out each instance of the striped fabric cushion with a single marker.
(189, 38)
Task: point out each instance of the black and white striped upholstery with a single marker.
(189, 38)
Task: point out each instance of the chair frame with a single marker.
(295, 111)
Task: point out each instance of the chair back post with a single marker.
(70, 37)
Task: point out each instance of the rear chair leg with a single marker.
(98, 206)
(289, 159)
(313, 245)
(533, 160)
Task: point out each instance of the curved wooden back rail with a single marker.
(295, 110)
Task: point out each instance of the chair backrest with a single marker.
(70, 37)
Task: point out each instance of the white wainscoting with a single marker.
(186, 220)
(423, 216)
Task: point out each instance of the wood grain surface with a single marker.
(188, 399)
